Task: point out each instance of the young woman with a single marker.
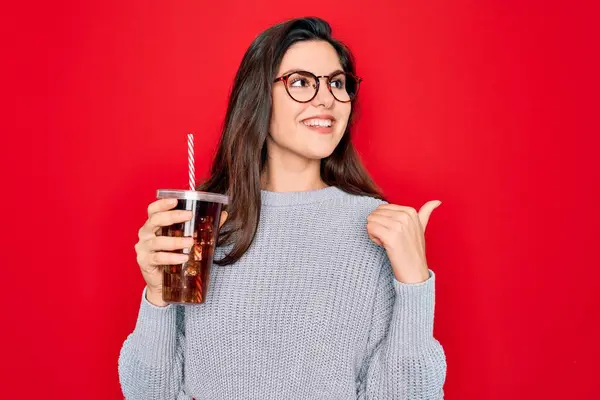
(320, 288)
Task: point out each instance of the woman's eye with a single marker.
(337, 84)
(299, 82)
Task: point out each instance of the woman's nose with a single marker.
(324, 96)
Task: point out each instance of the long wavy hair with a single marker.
(242, 150)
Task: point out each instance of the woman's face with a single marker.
(302, 128)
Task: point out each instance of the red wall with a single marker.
(491, 107)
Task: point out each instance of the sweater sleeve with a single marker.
(404, 361)
(151, 358)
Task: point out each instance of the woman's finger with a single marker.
(161, 205)
(166, 218)
(164, 258)
(376, 231)
(159, 243)
(382, 220)
(224, 215)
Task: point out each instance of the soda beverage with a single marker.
(188, 283)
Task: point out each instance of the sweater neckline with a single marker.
(304, 197)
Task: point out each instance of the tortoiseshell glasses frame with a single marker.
(348, 77)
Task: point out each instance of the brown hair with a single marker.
(241, 153)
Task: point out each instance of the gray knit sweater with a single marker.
(311, 311)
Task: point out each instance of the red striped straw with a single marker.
(190, 141)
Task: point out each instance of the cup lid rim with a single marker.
(192, 195)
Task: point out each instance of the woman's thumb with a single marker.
(224, 216)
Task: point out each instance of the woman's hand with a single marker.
(153, 251)
(401, 231)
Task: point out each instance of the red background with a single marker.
(491, 107)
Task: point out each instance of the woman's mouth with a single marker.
(319, 125)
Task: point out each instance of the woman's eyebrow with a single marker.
(303, 70)
(292, 71)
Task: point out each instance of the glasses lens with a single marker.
(301, 86)
(344, 87)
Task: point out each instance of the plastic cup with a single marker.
(188, 283)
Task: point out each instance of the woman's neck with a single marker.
(293, 187)
(291, 181)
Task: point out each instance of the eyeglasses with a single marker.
(303, 86)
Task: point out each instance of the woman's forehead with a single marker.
(320, 58)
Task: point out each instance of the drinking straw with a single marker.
(191, 171)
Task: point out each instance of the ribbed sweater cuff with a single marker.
(412, 318)
(155, 334)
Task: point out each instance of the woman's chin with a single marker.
(319, 154)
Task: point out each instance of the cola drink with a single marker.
(188, 283)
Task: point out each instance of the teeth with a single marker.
(317, 122)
